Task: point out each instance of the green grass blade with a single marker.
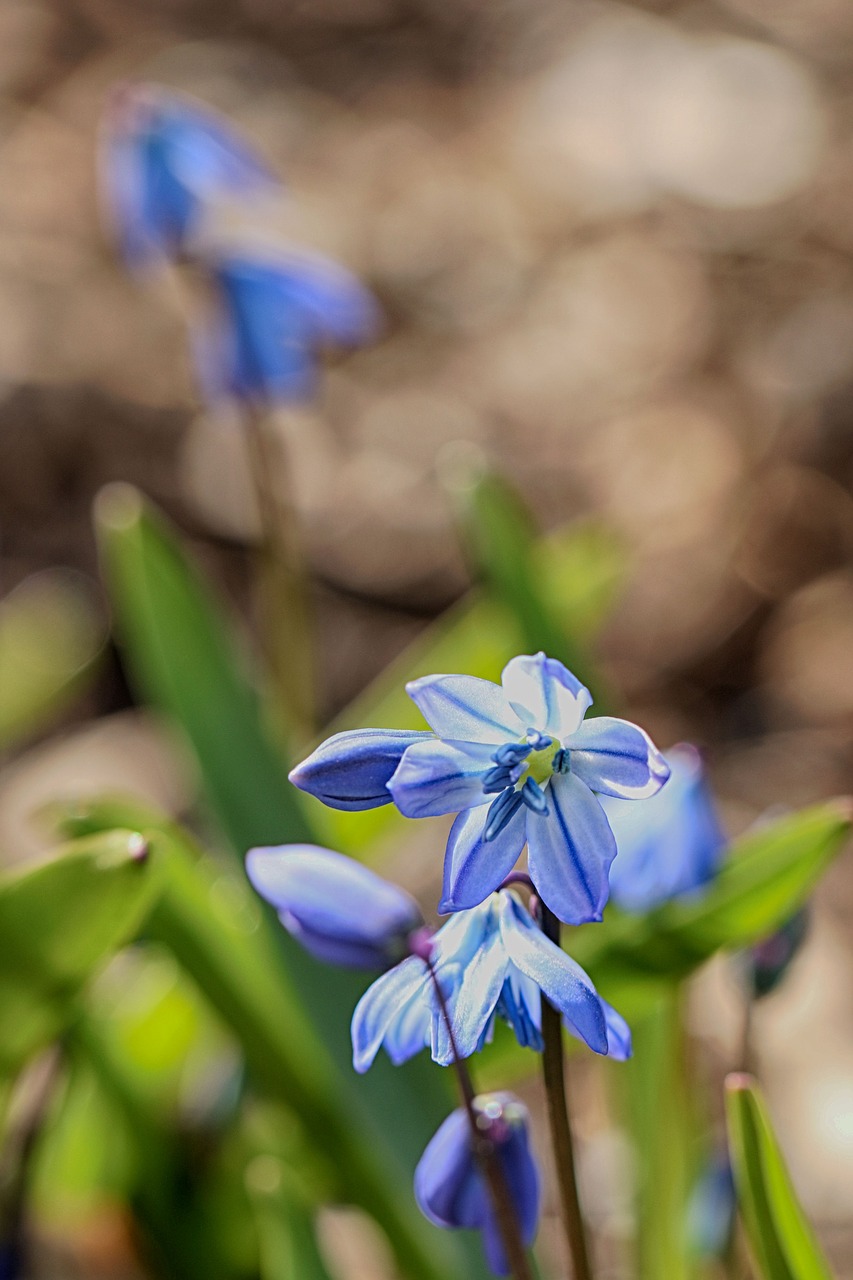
(782, 1240)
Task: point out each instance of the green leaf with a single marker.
(287, 1235)
(180, 655)
(769, 874)
(59, 920)
(500, 536)
(51, 634)
(782, 1240)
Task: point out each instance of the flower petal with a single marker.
(562, 980)
(380, 1005)
(449, 1188)
(570, 851)
(352, 770)
(475, 867)
(465, 709)
(545, 695)
(340, 911)
(436, 777)
(471, 1001)
(619, 1044)
(617, 758)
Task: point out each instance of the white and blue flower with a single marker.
(164, 160)
(490, 962)
(519, 765)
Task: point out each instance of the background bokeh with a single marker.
(612, 244)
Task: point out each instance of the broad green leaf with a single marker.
(769, 874)
(782, 1240)
(59, 920)
(51, 634)
(181, 656)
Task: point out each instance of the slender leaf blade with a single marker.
(782, 1239)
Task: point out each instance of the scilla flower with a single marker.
(164, 159)
(492, 961)
(273, 311)
(339, 910)
(449, 1185)
(670, 844)
(518, 763)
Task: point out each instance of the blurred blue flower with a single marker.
(272, 313)
(491, 961)
(518, 764)
(450, 1188)
(164, 159)
(339, 910)
(711, 1209)
(670, 844)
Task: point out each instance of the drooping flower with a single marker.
(670, 844)
(450, 1187)
(517, 763)
(164, 160)
(273, 311)
(492, 961)
(341, 911)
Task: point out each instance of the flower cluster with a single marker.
(169, 166)
(519, 764)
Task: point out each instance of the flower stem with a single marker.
(287, 624)
(553, 1071)
(486, 1154)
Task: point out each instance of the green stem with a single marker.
(553, 1071)
(286, 622)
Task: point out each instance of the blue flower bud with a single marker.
(164, 159)
(351, 770)
(450, 1188)
(273, 312)
(763, 966)
(339, 910)
(669, 844)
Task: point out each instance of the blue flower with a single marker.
(338, 909)
(669, 845)
(272, 314)
(492, 961)
(351, 770)
(518, 764)
(451, 1189)
(164, 159)
(711, 1209)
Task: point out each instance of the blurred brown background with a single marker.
(613, 248)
